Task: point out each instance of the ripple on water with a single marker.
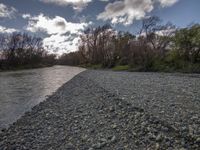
(21, 90)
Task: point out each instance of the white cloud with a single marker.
(26, 16)
(6, 12)
(77, 4)
(167, 3)
(59, 44)
(56, 25)
(7, 30)
(62, 35)
(126, 11)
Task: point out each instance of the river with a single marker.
(21, 90)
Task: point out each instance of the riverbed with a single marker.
(113, 110)
(21, 90)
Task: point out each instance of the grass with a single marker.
(121, 68)
(89, 66)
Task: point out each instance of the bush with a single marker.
(121, 68)
(98, 66)
(103, 47)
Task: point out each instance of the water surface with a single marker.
(21, 90)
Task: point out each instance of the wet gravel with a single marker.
(113, 110)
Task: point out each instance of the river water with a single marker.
(21, 90)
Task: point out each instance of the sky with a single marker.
(61, 22)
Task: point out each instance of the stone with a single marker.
(113, 139)
(158, 137)
(114, 126)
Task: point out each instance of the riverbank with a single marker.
(113, 110)
(186, 68)
(24, 68)
(23, 89)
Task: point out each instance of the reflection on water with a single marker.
(21, 90)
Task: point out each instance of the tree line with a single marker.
(157, 47)
(20, 50)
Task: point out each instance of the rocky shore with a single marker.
(113, 111)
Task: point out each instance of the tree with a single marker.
(20, 50)
(157, 35)
(122, 47)
(187, 43)
(97, 45)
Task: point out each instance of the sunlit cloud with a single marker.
(56, 25)
(127, 11)
(7, 12)
(7, 30)
(76, 4)
(62, 35)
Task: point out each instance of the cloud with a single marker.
(126, 11)
(167, 3)
(59, 44)
(26, 16)
(56, 25)
(6, 12)
(76, 4)
(62, 36)
(7, 30)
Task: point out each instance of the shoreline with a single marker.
(83, 114)
(21, 90)
(25, 68)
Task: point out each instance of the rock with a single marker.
(84, 137)
(157, 147)
(101, 123)
(198, 140)
(158, 137)
(69, 146)
(113, 139)
(3, 130)
(114, 126)
(103, 140)
(99, 145)
(182, 149)
(111, 109)
(191, 130)
(96, 119)
(92, 130)
(151, 136)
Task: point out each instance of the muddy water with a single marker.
(21, 90)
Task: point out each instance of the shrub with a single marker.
(121, 68)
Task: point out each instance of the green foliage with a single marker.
(98, 66)
(187, 44)
(121, 68)
(178, 51)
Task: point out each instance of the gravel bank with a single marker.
(173, 98)
(113, 110)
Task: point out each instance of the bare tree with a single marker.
(96, 45)
(156, 34)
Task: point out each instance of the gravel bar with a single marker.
(113, 111)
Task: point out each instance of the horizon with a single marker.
(61, 22)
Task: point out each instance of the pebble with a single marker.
(114, 126)
(85, 113)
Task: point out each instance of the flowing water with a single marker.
(21, 90)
